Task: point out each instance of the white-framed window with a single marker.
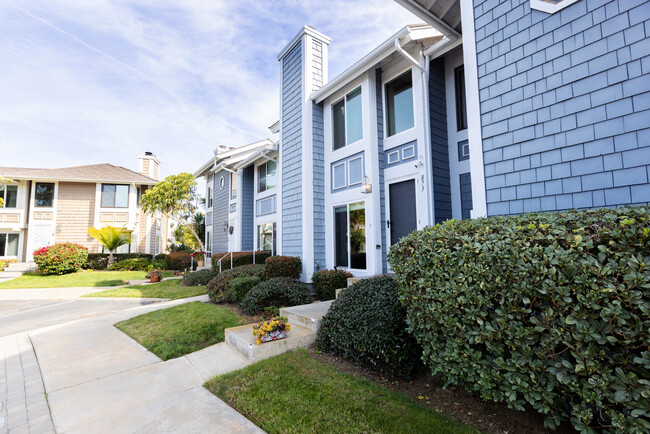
(222, 183)
(347, 119)
(266, 206)
(550, 6)
(9, 194)
(339, 178)
(9, 244)
(208, 243)
(408, 152)
(355, 170)
(209, 198)
(115, 196)
(266, 237)
(350, 235)
(44, 194)
(233, 186)
(463, 150)
(266, 176)
(400, 114)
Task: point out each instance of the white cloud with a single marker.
(85, 81)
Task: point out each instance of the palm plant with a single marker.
(111, 238)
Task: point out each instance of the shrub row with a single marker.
(238, 259)
(283, 266)
(60, 258)
(219, 286)
(367, 325)
(278, 292)
(99, 261)
(135, 264)
(551, 310)
(198, 278)
(326, 282)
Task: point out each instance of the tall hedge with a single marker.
(547, 309)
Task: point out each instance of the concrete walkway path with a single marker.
(8, 275)
(100, 380)
(51, 293)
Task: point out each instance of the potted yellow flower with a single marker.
(271, 330)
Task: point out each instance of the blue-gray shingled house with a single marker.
(490, 107)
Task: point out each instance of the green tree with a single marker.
(111, 238)
(176, 198)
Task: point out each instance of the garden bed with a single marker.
(294, 392)
(180, 330)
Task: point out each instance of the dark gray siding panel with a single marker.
(291, 145)
(247, 208)
(221, 197)
(439, 147)
(382, 166)
(565, 104)
(319, 187)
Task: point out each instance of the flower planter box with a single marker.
(274, 336)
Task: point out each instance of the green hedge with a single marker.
(547, 309)
(61, 258)
(277, 292)
(135, 264)
(367, 325)
(238, 259)
(198, 278)
(326, 282)
(241, 286)
(283, 266)
(218, 287)
(99, 261)
(177, 261)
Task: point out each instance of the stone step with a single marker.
(308, 316)
(21, 266)
(241, 338)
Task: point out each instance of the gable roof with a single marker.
(92, 173)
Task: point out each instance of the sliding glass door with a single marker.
(350, 236)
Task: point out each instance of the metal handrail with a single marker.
(222, 258)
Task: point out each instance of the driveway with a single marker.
(96, 378)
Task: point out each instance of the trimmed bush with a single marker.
(218, 286)
(136, 264)
(198, 278)
(326, 282)
(157, 264)
(552, 310)
(238, 259)
(177, 261)
(239, 287)
(160, 257)
(61, 258)
(99, 261)
(367, 325)
(283, 266)
(278, 292)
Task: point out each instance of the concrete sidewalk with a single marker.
(100, 380)
(51, 293)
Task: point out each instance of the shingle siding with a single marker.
(248, 229)
(382, 167)
(567, 94)
(291, 143)
(220, 211)
(439, 146)
(319, 186)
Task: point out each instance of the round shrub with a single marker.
(218, 286)
(239, 287)
(326, 282)
(61, 258)
(547, 309)
(283, 266)
(278, 292)
(177, 261)
(198, 278)
(135, 264)
(367, 325)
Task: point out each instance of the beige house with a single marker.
(48, 206)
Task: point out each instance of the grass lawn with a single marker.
(295, 393)
(180, 330)
(165, 289)
(84, 278)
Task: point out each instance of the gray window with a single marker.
(209, 198)
(266, 176)
(8, 245)
(399, 104)
(44, 194)
(461, 104)
(9, 194)
(115, 196)
(347, 119)
(266, 239)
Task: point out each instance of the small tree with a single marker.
(111, 238)
(174, 197)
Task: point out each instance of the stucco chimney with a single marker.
(149, 165)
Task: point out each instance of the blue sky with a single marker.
(92, 81)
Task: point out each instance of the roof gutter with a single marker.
(407, 56)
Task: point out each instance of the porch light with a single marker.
(366, 186)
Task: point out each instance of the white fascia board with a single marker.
(442, 47)
(242, 149)
(205, 169)
(418, 10)
(256, 156)
(61, 179)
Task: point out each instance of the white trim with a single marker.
(307, 159)
(306, 30)
(408, 148)
(474, 135)
(549, 6)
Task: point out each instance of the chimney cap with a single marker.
(148, 153)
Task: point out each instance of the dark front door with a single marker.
(401, 196)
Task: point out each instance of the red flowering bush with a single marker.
(61, 258)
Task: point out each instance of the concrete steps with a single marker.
(308, 316)
(241, 338)
(21, 267)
